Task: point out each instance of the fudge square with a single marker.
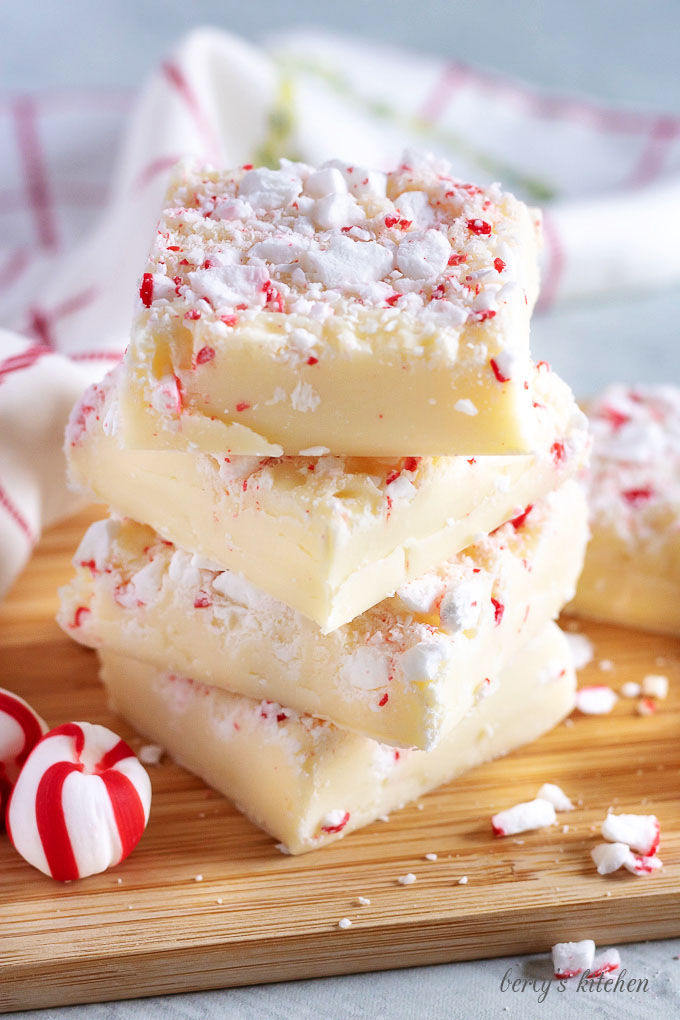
(336, 309)
(404, 672)
(307, 782)
(632, 569)
(330, 536)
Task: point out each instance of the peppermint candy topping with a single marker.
(80, 804)
(20, 730)
(532, 814)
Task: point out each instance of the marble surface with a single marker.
(625, 52)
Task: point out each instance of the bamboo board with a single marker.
(149, 926)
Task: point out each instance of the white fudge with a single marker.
(403, 672)
(329, 536)
(307, 782)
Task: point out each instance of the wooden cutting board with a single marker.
(154, 925)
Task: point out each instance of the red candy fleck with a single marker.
(229, 320)
(202, 601)
(383, 701)
(615, 418)
(392, 299)
(558, 452)
(339, 827)
(242, 406)
(192, 314)
(488, 313)
(472, 460)
(499, 265)
(497, 829)
(398, 221)
(392, 476)
(497, 372)
(80, 612)
(518, 522)
(146, 290)
(479, 227)
(205, 355)
(545, 365)
(281, 717)
(247, 166)
(411, 463)
(457, 260)
(498, 610)
(637, 496)
(311, 360)
(174, 247)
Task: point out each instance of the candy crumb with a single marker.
(606, 665)
(556, 796)
(463, 880)
(572, 958)
(344, 923)
(430, 857)
(407, 879)
(198, 878)
(655, 685)
(363, 901)
(150, 754)
(630, 690)
(532, 814)
(595, 700)
(581, 648)
(645, 706)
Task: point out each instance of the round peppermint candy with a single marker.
(20, 730)
(80, 804)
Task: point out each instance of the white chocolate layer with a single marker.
(328, 536)
(632, 568)
(404, 672)
(307, 782)
(371, 314)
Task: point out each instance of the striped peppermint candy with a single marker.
(80, 804)
(20, 730)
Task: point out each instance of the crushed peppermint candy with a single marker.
(581, 648)
(306, 241)
(344, 923)
(363, 901)
(430, 857)
(150, 754)
(655, 685)
(605, 962)
(640, 832)
(595, 700)
(609, 857)
(556, 796)
(642, 865)
(407, 879)
(335, 821)
(532, 814)
(572, 958)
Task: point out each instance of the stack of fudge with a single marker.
(344, 513)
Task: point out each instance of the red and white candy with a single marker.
(640, 832)
(572, 958)
(80, 804)
(20, 730)
(532, 814)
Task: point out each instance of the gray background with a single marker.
(623, 51)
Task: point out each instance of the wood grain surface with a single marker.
(152, 926)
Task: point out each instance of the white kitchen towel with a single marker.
(74, 231)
